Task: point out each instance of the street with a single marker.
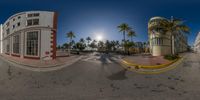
(101, 77)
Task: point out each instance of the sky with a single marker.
(101, 17)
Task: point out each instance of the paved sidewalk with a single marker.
(155, 71)
(147, 60)
(41, 65)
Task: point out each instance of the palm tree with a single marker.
(117, 44)
(108, 46)
(95, 41)
(65, 45)
(128, 45)
(113, 45)
(82, 40)
(72, 43)
(88, 40)
(131, 34)
(173, 26)
(70, 35)
(82, 44)
(100, 46)
(93, 44)
(58, 47)
(124, 28)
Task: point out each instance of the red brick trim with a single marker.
(16, 55)
(27, 57)
(54, 36)
(63, 56)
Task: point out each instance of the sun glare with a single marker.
(99, 37)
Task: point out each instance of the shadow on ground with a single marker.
(121, 75)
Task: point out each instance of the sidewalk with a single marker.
(149, 64)
(146, 60)
(155, 71)
(41, 64)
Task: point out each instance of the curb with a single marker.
(36, 68)
(155, 71)
(150, 67)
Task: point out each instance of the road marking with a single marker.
(89, 58)
(108, 60)
(114, 58)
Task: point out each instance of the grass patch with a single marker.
(171, 57)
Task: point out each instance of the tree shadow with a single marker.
(121, 75)
(103, 60)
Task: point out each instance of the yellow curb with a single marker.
(154, 72)
(150, 67)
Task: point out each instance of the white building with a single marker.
(30, 34)
(162, 43)
(197, 43)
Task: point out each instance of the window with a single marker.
(19, 17)
(13, 26)
(157, 41)
(29, 22)
(18, 24)
(35, 21)
(8, 45)
(13, 19)
(34, 15)
(32, 43)
(3, 34)
(32, 22)
(16, 44)
(8, 31)
(30, 15)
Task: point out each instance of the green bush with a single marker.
(171, 57)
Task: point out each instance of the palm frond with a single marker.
(183, 28)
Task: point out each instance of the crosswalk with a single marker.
(100, 59)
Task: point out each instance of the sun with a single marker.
(99, 38)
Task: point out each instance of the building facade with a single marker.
(197, 43)
(162, 43)
(30, 35)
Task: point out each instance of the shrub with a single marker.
(171, 57)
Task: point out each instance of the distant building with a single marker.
(30, 35)
(139, 44)
(160, 42)
(196, 47)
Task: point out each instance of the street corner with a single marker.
(151, 65)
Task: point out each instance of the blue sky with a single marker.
(101, 17)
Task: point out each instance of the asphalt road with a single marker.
(101, 77)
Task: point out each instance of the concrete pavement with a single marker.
(41, 65)
(101, 78)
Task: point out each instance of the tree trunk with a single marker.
(124, 42)
(131, 38)
(69, 48)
